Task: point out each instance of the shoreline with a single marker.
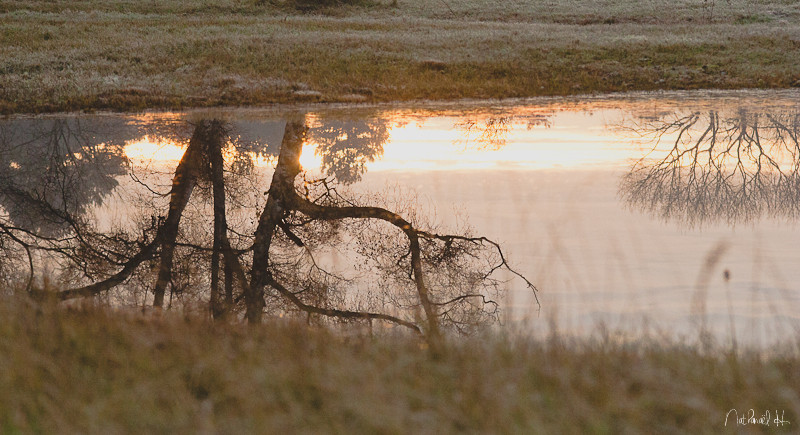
(444, 105)
(95, 56)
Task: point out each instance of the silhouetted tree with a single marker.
(734, 168)
(52, 171)
(346, 146)
(428, 280)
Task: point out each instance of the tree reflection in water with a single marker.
(491, 132)
(346, 146)
(52, 170)
(708, 167)
(428, 280)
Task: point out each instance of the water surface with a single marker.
(675, 212)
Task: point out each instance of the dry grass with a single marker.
(96, 371)
(131, 55)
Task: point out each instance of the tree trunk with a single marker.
(182, 185)
(281, 189)
(220, 304)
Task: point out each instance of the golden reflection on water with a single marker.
(557, 133)
(567, 140)
(167, 151)
(154, 149)
(309, 159)
(570, 228)
(575, 140)
(437, 144)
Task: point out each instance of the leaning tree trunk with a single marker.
(182, 185)
(275, 210)
(282, 200)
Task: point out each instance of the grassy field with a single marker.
(59, 55)
(96, 371)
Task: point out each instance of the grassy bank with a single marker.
(129, 55)
(93, 371)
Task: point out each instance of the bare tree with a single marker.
(733, 168)
(429, 281)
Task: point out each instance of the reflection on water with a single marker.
(53, 169)
(346, 146)
(676, 211)
(714, 165)
(281, 263)
(491, 132)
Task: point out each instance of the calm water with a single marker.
(674, 212)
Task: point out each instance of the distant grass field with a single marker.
(129, 55)
(97, 371)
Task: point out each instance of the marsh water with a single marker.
(671, 212)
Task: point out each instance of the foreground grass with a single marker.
(96, 371)
(128, 55)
